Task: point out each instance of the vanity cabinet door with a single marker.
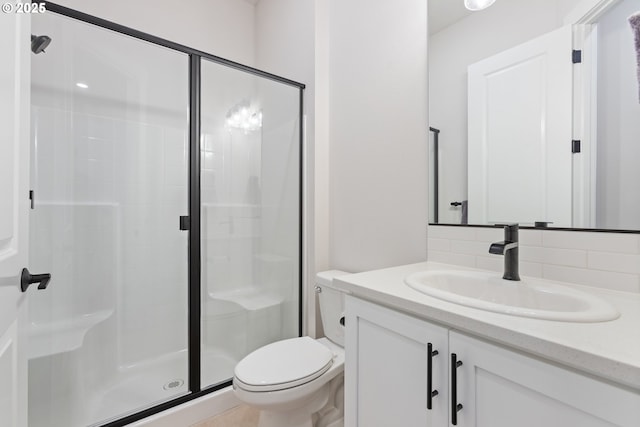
(387, 368)
(501, 388)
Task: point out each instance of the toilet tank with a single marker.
(331, 301)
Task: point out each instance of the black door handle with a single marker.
(455, 406)
(431, 393)
(27, 279)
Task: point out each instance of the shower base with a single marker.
(136, 388)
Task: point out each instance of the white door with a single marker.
(14, 205)
(501, 388)
(519, 141)
(387, 368)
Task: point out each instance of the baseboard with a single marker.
(194, 411)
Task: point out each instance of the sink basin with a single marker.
(529, 297)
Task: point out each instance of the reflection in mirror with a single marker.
(527, 129)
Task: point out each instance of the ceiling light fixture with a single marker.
(82, 85)
(475, 5)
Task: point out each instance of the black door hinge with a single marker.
(576, 56)
(575, 146)
(185, 223)
(32, 199)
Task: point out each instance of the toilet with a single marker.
(299, 382)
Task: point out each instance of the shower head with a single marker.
(39, 43)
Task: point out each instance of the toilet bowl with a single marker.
(297, 382)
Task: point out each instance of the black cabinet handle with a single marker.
(27, 279)
(455, 406)
(542, 224)
(430, 392)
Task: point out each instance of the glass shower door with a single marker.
(250, 216)
(109, 175)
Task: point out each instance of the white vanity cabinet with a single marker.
(386, 380)
(387, 368)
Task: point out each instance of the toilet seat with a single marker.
(283, 364)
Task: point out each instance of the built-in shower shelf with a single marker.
(60, 336)
(250, 298)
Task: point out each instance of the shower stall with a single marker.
(166, 204)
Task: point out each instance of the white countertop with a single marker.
(610, 350)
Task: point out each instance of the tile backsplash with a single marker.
(604, 260)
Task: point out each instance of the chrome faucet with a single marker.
(508, 248)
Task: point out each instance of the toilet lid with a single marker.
(283, 364)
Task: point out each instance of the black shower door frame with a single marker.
(194, 255)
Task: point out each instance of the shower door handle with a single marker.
(27, 279)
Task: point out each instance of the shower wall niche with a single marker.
(115, 165)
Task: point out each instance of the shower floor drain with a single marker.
(173, 384)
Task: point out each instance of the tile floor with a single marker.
(240, 416)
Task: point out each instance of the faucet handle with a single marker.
(542, 224)
(512, 225)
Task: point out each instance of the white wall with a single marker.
(378, 133)
(566, 8)
(221, 27)
(284, 37)
(618, 175)
(451, 51)
(321, 138)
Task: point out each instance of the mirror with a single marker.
(524, 129)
